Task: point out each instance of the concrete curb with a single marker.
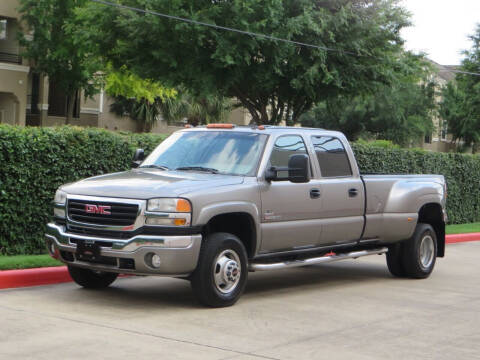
(33, 277)
(458, 238)
(54, 275)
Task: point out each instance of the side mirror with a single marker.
(297, 170)
(138, 158)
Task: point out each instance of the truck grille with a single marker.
(119, 214)
(99, 232)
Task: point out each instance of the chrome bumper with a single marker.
(178, 254)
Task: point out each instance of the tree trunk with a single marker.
(70, 106)
(474, 148)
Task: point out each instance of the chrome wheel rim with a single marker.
(227, 271)
(427, 251)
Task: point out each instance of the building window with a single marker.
(428, 139)
(3, 29)
(444, 131)
(58, 102)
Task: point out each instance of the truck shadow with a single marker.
(150, 292)
(324, 277)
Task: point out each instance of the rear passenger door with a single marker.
(342, 192)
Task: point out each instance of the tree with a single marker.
(401, 112)
(196, 109)
(70, 63)
(274, 80)
(461, 99)
(137, 97)
(145, 100)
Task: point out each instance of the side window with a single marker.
(284, 147)
(332, 157)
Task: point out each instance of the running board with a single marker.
(315, 260)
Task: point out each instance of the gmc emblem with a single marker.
(98, 209)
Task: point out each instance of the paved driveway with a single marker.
(349, 310)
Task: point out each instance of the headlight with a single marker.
(171, 212)
(60, 197)
(169, 205)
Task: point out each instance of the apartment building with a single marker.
(14, 72)
(440, 140)
(30, 99)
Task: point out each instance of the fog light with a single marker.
(52, 249)
(153, 260)
(156, 261)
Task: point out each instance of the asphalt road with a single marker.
(346, 310)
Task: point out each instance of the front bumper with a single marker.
(178, 254)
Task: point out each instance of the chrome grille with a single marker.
(121, 214)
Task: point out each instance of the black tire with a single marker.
(91, 279)
(203, 278)
(412, 254)
(395, 260)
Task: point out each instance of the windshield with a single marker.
(233, 153)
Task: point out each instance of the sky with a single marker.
(441, 28)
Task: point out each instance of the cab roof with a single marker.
(261, 129)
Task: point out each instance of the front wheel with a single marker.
(91, 279)
(221, 274)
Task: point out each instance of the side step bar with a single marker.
(315, 260)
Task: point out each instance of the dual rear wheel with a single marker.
(415, 257)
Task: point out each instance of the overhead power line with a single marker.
(243, 32)
(224, 28)
(460, 72)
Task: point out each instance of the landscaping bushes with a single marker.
(461, 171)
(34, 162)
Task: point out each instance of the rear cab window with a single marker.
(332, 157)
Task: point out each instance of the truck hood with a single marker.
(148, 183)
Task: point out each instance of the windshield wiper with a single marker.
(198, 168)
(161, 167)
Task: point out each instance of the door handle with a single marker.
(352, 192)
(314, 193)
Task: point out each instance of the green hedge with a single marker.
(34, 162)
(461, 171)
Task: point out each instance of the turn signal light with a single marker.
(180, 222)
(183, 206)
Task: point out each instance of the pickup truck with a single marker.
(212, 203)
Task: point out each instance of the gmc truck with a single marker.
(211, 204)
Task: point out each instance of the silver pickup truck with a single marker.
(211, 204)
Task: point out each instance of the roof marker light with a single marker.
(220, 126)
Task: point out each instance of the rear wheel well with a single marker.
(239, 224)
(432, 214)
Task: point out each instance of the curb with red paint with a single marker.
(458, 238)
(33, 277)
(55, 275)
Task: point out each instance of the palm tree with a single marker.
(197, 110)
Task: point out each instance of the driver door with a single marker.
(289, 211)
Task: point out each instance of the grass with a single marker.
(33, 261)
(463, 228)
(27, 262)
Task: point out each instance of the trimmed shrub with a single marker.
(461, 171)
(34, 162)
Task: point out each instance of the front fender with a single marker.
(212, 210)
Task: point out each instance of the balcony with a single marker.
(10, 58)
